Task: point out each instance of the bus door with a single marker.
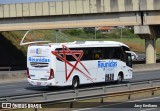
(128, 67)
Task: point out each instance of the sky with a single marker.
(23, 1)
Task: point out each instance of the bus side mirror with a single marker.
(134, 56)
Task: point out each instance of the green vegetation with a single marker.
(128, 37)
(90, 33)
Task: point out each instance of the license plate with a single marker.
(38, 83)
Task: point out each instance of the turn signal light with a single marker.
(28, 74)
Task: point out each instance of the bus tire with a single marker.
(75, 82)
(120, 78)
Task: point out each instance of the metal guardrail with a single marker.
(45, 98)
(101, 96)
(12, 68)
(5, 68)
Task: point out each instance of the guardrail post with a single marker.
(45, 96)
(8, 99)
(129, 96)
(151, 83)
(76, 92)
(102, 100)
(71, 104)
(152, 92)
(104, 89)
(129, 88)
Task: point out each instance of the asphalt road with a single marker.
(148, 104)
(141, 56)
(21, 88)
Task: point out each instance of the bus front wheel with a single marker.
(75, 82)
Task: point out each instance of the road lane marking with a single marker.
(7, 85)
(82, 109)
(144, 99)
(148, 109)
(19, 90)
(121, 103)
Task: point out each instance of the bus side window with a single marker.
(106, 52)
(114, 53)
(110, 52)
(97, 53)
(119, 53)
(96, 56)
(61, 55)
(124, 52)
(86, 54)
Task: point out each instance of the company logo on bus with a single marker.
(41, 59)
(38, 51)
(110, 63)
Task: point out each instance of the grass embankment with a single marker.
(128, 37)
(15, 38)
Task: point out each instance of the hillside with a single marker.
(10, 55)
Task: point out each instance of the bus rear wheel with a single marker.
(75, 82)
(120, 78)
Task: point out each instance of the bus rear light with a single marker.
(51, 74)
(28, 74)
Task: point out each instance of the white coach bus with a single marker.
(76, 63)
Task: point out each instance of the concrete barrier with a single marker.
(146, 67)
(10, 76)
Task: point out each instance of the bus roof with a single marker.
(90, 43)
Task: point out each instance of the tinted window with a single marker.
(87, 54)
(68, 55)
(113, 53)
(129, 60)
(125, 54)
(96, 53)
